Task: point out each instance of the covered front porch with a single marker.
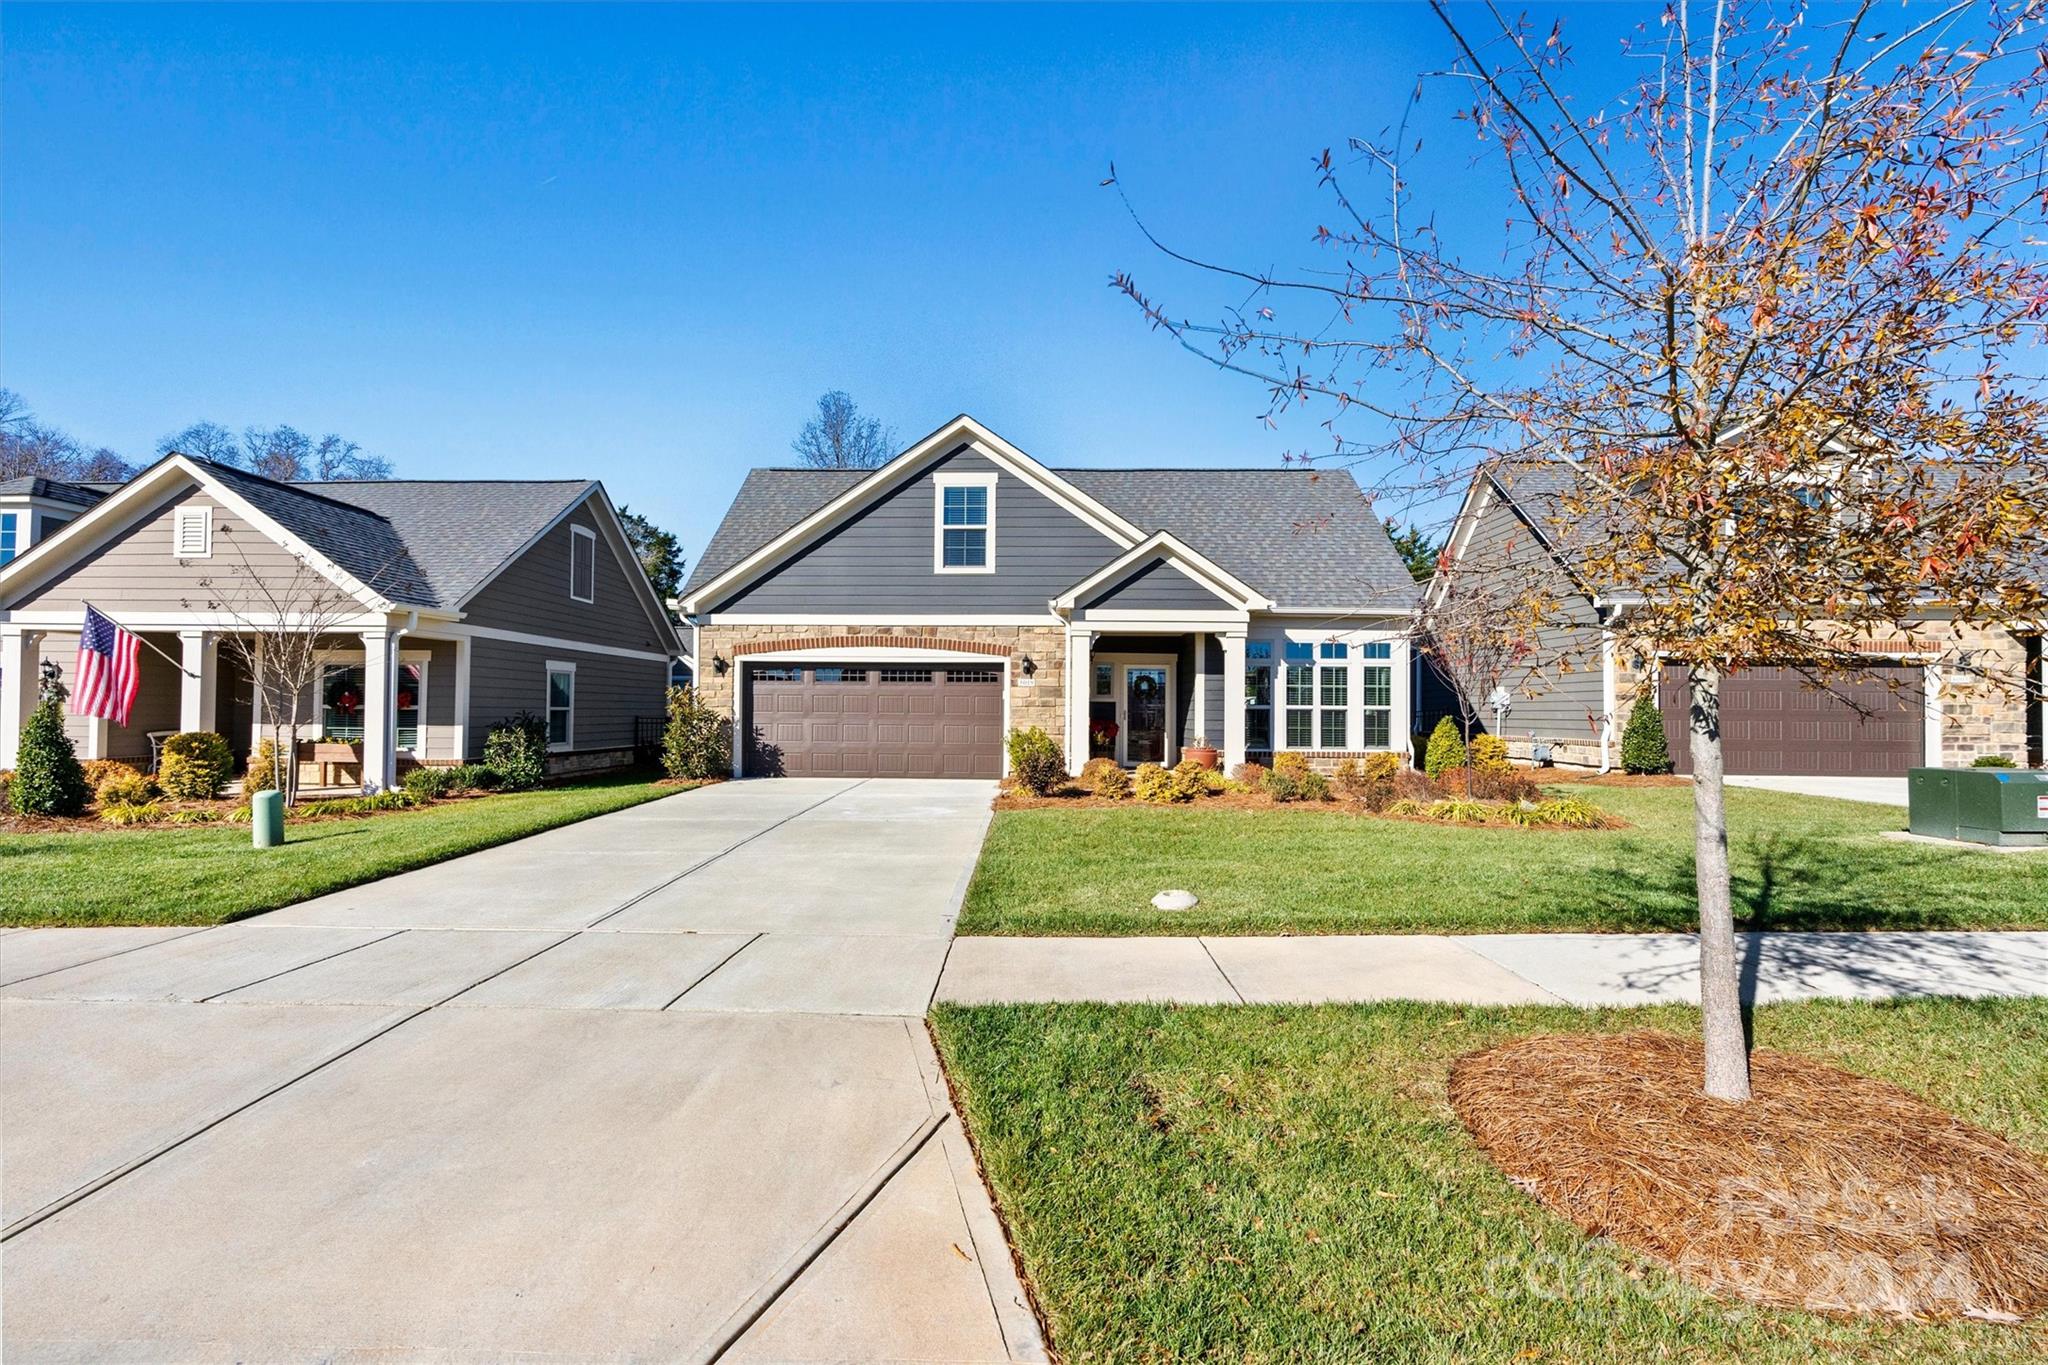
(380, 700)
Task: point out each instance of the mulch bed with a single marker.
(1571, 777)
(1828, 1191)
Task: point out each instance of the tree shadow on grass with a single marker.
(1792, 884)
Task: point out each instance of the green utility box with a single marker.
(2006, 806)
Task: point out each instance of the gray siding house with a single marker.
(452, 605)
(899, 621)
(1920, 701)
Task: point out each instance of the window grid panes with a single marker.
(963, 541)
(8, 543)
(839, 675)
(1258, 706)
(973, 675)
(906, 675)
(1301, 729)
(561, 702)
(1301, 690)
(1335, 649)
(1378, 649)
(1333, 729)
(1336, 688)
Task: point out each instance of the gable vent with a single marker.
(192, 533)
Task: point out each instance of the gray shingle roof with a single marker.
(1308, 539)
(57, 490)
(455, 534)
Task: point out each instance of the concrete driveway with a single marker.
(651, 1086)
(1878, 791)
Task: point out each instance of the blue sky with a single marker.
(636, 243)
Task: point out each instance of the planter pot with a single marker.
(1203, 754)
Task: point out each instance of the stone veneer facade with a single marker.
(1038, 700)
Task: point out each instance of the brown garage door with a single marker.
(875, 720)
(1867, 725)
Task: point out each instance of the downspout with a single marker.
(1607, 698)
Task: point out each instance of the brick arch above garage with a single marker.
(873, 641)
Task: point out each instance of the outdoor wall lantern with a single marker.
(718, 664)
(1028, 666)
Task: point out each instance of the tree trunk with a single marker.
(1727, 1047)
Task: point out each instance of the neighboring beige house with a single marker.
(462, 603)
(1925, 699)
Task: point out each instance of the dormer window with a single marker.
(964, 530)
(192, 533)
(582, 563)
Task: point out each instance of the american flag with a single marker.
(107, 672)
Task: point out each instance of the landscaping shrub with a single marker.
(1490, 784)
(1349, 779)
(1250, 776)
(1114, 784)
(1488, 753)
(98, 770)
(1293, 764)
(1410, 785)
(696, 744)
(1093, 771)
(517, 748)
(1036, 761)
(1315, 787)
(1643, 749)
(1575, 812)
(1446, 750)
(476, 777)
(1371, 782)
(1992, 761)
(1459, 811)
(194, 766)
(132, 790)
(1283, 784)
(131, 813)
(1404, 807)
(426, 784)
(354, 805)
(47, 777)
(1155, 784)
(1191, 779)
(261, 774)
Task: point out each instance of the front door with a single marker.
(1145, 714)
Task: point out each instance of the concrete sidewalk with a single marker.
(1488, 969)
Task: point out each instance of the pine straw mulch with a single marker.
(1828, 1191)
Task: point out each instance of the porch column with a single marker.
(1080, 689)
(1233, 698)
(461, 699)
(199, 653)
(18, 684)
(379, 749)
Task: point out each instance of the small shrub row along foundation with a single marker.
(1487, 791)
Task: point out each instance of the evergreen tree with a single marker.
(47, 777)
(1643, 749)
(1446, 750)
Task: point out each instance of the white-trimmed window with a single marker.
(1258, 695)
(1376, 695)
(9, 545)
(1333, 695)
(964, 523)
(561, 711)
(582, 563)
(192, 533)
(1301, 694)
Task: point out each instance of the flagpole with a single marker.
(178, 664)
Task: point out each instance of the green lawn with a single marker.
(1266, 1184)
(1800, 863)
(200, 875)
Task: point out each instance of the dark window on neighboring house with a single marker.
(582, 563)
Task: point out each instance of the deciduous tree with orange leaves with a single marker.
(1769, 319)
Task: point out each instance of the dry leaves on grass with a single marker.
(1828, 1191)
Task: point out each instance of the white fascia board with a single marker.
(225, 622)
(1477, 494)
(962, 430)
(870, 618)
(1189, 562)
(518, 637)
(1161, 616)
